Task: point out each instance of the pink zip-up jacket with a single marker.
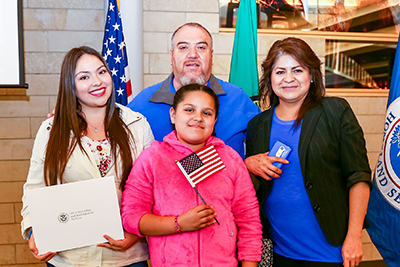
(156, 185)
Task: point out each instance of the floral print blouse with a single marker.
(101, 150)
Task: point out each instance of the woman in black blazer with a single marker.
(313, 206)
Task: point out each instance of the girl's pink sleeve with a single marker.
(137, 198)
(247, 214)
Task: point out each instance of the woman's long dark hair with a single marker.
(69, 124)
(303, 54)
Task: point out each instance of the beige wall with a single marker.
(370, 112)
(52, 27)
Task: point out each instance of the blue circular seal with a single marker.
(387, 171)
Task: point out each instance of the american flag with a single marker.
(114, 52)
(201, 164)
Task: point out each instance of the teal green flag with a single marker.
(244, 72)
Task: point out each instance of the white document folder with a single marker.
(75, 214)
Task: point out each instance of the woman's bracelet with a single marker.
(177, 226)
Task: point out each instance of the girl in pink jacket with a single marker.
(160, 203)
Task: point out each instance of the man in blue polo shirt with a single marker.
(191, 59)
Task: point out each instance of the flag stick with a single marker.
(204, 202)
(192, 184)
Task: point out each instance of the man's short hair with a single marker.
(190, 24)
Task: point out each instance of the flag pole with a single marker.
(193, 185)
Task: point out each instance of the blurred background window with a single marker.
(361, 35)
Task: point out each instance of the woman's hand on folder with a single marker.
(43, 257)
(120, 245)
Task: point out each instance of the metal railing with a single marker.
(343, 65)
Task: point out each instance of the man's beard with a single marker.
(186, 80)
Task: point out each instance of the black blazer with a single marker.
(332, 157)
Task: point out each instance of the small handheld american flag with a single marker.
(200, 165)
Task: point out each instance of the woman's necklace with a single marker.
(95, 127)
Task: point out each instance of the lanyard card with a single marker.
(280, 150)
